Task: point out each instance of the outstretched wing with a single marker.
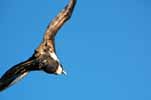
(16, 73)
(56, 24)
(59, 20)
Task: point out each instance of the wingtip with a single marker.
(2, 87)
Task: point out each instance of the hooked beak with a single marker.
(64, 72)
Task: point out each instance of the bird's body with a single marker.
(44, 57)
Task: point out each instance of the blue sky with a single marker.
(105, 48)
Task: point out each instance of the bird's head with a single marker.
(55, 68)
(53, 65)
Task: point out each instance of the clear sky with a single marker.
(105, 48)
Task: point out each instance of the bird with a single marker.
(44, 57)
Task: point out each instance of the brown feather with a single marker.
(42, 59)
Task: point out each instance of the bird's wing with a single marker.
(16, 73)
(57, 23)
(20, 70)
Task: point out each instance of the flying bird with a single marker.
(44, 58)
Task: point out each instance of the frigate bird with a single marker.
(44, 58)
